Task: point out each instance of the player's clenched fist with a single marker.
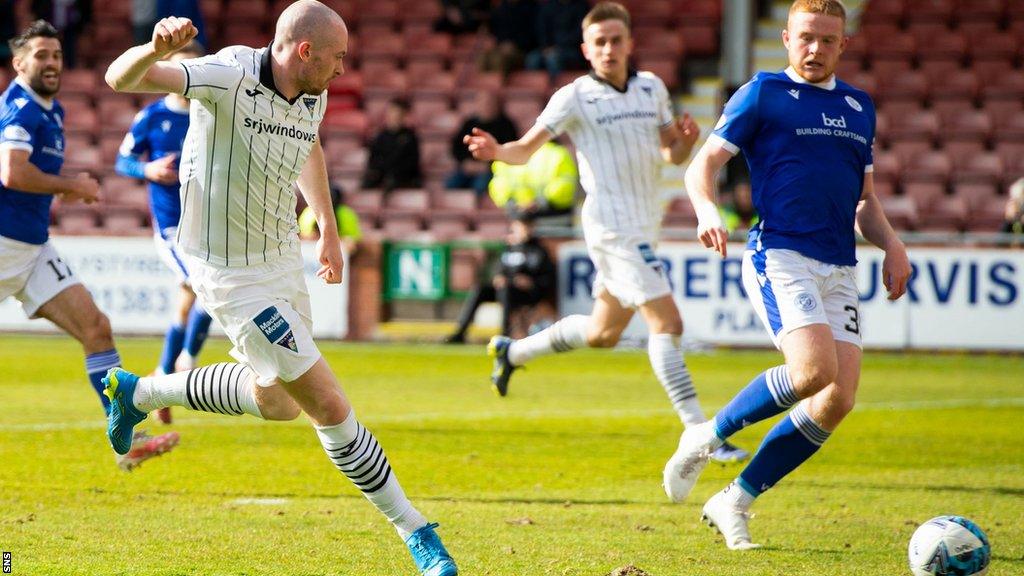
(172, 34)
(481, 144)
(84, 188)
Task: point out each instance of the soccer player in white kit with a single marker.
(255, 115)
(622, 124)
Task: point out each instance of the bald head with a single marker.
(309, 44)
(308, 20)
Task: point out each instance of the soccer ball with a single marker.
(949, 546)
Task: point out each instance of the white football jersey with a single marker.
(245, 147)
(618, 146)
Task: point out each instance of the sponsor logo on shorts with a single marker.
(276, 328)
(647, 253)
(804, 301)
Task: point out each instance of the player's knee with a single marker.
(97, 334)
(841, 405)
(606, 338)
(809, 380)
(280, 410)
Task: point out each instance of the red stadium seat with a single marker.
(983, 168)
(125, 220)
(408, 199)
(76, 219)
(920, 125)
(955, 85)
(887, 166)
(351, 121)
(1001, 111)
(969, 125)
(900, 46)
(924, 194)
(700, 40)
(960, 151)
(911, 85)
(445, 226)
(975, 194)
(653, 13)
(856, 49)
(401, 225)
(78, 80)
(378, 12)
(931, 166)
(699, 12)
(367, 199)
(882, 11)
(247, 11)
(907, 150)
(1012, 130)
(948, 215)
(455, 200)
(666, 68)
(382, 46)
(979, 11)
(929, 11)
(987, 217)
(901, 212)
(1000, 46)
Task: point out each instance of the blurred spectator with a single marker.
(69, 17)
(525, 277)
(513, 24)
(1015, 209)
(8, 30)
(461, 16)
(348, 222)
(185, 9)
(559, 35)
(394, 152)
(544, 186)
(490, 117)
(738, 212)
(143, 20)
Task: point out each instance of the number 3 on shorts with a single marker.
(854, 324)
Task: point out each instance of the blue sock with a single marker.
(173, 343)
(96, 365)
(196, 330)
(769, 394)
(788, 445)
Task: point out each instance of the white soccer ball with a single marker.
(949, 546)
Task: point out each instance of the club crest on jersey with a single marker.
(310, 103)
(854, 104)
(804, 301)
(276, 328)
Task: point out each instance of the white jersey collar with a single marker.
(829, 84)
(47, 105)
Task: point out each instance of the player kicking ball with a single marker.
(255, 116)
(622, 125)
(807, 138)
(31, 270)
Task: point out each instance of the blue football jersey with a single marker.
(159, 130)
(808, 147)
(27, 122)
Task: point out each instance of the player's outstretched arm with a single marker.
(18, 173)
(315, 188)
(700, 187)
(139, 69)
(483, 146)
(678, 138)
(874, 226)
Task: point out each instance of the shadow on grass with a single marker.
(981, 490)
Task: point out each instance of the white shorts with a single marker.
(32, 273)
(169, 253)
(264, 310)
(627, 267)
(790, 291)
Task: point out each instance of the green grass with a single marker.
(577, 448)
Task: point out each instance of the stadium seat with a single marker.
(1011, 130)
(929, 11)
(378, 12)
(1012, 154)
(924, 194)
(856, 49)
(413, 199)
(76, 219)
(463, 200)
(1006, 86)
(949, 214)
(975, 194)
(919, 125)
(959, 84)
(664, 67)
(401, 225)
(890, 47)
(967, 125)
(988, 216)
(653, 13)
(706, 13)
(427, 46)
(351, 121)
(80, 81)
(979, 11)
(246, 11)
(982, 168)
(491, 226)
(887, 166)
(366, 199)
(907, 150)
(1001, 111)
(883, 11)
(931, 166)
(884, 188)
(465, 262)
(82, 159)
(445, 226)
(125, 221)
(961, 150)
(900, 211)
(998, 46)
(908, 85)
(701, 40)
(382, 46)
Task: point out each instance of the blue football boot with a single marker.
(429, 553)
(120, 388)
(497, 348)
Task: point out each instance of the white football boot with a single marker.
(722, 514)
(695, 448)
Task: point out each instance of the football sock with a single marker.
(769, 394)
(669, 366)
(196, 331)
(174, 340)
(736, 495)
(788, 445)
(96, 366)
(355, 453)
(223, 388)
(567, 334)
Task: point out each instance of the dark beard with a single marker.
(37, 85)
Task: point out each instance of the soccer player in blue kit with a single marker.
(807, 138)
(31, 270)
(159, 132)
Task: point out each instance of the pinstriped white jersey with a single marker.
(245, 147)
(618, 147)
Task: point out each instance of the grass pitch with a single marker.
(561, 477)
